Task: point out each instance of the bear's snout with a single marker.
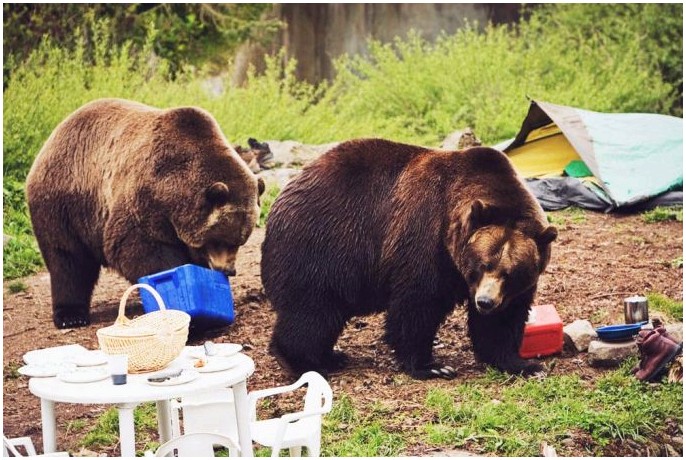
(488, 296)
(222, 258)
(229, 271)
(485, 303)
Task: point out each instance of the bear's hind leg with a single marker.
(303, 341)
(72, 280)
(410, 330)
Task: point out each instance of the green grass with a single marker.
(674, 309)
(16, 287)
(515, 419)
(266, 201)
(677, 262)
(105, 433)
(11, 371)
(662, 214)
(348, 433)
(567, 216)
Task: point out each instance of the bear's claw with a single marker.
(72, 319)
(445, 372)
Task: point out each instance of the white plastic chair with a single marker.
(194, 445)
(207, 412)
(296, 430)
(9, 448)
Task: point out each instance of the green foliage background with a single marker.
(612, 57)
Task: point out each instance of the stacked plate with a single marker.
(70, 363)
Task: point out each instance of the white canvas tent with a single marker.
(601, 161)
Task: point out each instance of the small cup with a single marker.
(119, 366)
(635, 309)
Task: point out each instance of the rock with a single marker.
(292, 154)
(569, 442)
(676, 330)
(460, 140)
(279, 176)
(5, 239)
(547, 450)
(605, 354)
(579, 334)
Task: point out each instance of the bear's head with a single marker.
(204, 190)
(502, 260)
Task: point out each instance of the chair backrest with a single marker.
(196, 445)
(319, 395)
(9, 446)
(209, 412)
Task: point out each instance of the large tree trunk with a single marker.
(316, 34)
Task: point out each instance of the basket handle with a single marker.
(121, 317)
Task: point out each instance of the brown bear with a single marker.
(122, 185)
(374, 226)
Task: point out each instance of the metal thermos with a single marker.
(635, 309)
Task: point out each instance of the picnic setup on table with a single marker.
(200, 392)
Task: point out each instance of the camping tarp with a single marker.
(600, 161)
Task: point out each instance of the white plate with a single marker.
(89, 358)
(92, 374)
(223, 349)
(215, 364)
(45, 370)
(53, 355)
(188, 375)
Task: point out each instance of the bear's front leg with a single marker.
(410, 330)
(497, 337)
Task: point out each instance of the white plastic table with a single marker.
(136, 391)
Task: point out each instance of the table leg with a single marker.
(164, 424)
(240, 398)
(127, 437)
(47, 414)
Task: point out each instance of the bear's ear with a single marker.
(217, 193)
(547, 236)
(476, 217)
(260, 186)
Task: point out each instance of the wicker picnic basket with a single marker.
(152, 340)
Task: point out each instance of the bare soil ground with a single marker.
(597, 261)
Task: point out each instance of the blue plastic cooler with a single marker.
(202, 293)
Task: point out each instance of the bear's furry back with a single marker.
(112, 152)
(371, 212)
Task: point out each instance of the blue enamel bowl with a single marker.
(619, 332)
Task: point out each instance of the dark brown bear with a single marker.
(123, 185)
(376, 226)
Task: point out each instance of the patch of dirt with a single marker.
(595, 264)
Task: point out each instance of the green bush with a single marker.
(420, 91)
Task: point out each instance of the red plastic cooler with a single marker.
(543, 336)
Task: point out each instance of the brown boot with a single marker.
(640, 339)
(656, 352)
